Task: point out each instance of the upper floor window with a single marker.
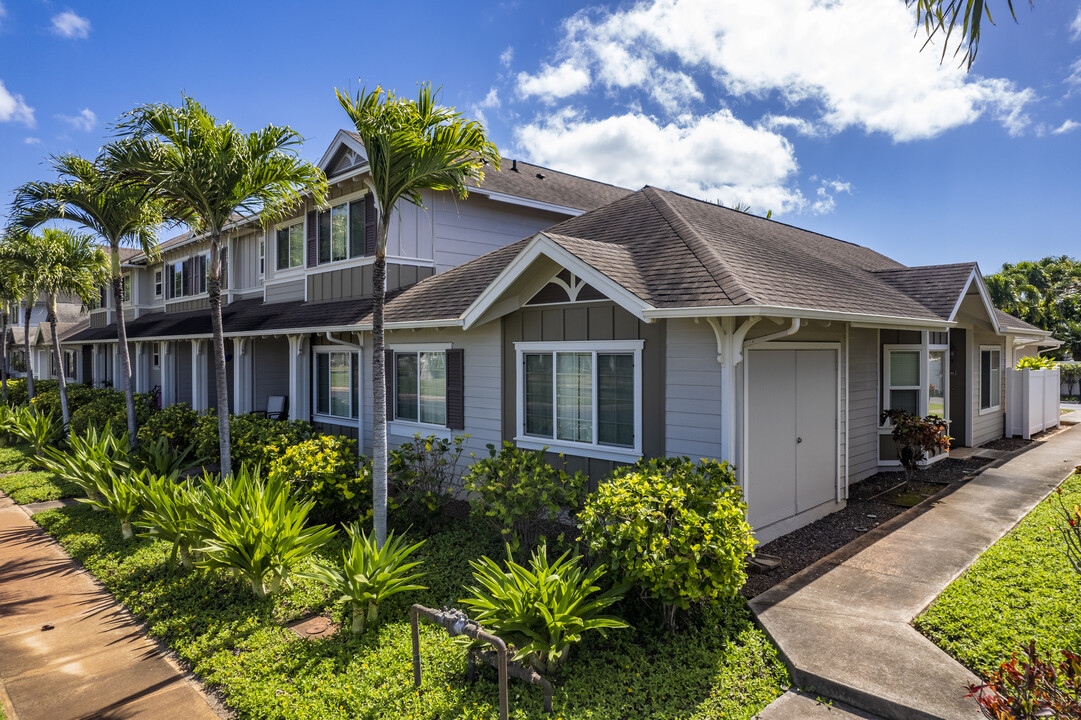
(291, 245)
(127, 288)
(341, 232)
(188, 277)
(158, 285)
(990, 377)
(581, 396)
(262, 256)
(224, 268)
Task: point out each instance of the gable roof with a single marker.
(519, 179)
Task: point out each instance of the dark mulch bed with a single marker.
(1008, 444)
(863, 513)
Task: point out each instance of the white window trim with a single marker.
(327, 417)
(924, 350)
(297, 269)
(344, 199)
(581, 449)
(1001, 374)
(155, 356)
(159, 285)
(260, 243)
(409, 428)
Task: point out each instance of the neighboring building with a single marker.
(71, 318)
(624, 325)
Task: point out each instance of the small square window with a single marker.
(157, 283)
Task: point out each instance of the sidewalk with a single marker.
(67, 650)
(843, 624)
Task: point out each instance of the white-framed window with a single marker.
(155, 355)
(127, 288)
(158, 283)
(290, 248)
(420, 386)
(262, 256)
(341, 232)
(990, 378)
(202, 272)
(916, 378)
(336, 383)
(582, 397)
(71, 360)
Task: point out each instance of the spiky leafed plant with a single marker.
(205, 173)
(412, 145)
(88, 193)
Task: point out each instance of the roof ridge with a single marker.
(969, 264)
(706, 254)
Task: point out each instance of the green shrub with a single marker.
(370, 574)
(325, 471)
(108, 407)
(91, 460)
(518, 493)
(1035, 362)
(17, 393)
(121, 496)
(675, 528)
(159, 457)
(256, 440)
(256, 529)
(541, 610)
(176, 423)
(421, 473)
(38, 429)
(171, 513)
(916, 438)
(47, 399)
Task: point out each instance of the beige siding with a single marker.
(863, 403)
(989, 425)
(693, 396)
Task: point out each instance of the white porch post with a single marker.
(242, 377)
(199, 398)
(94, 365)
(168, 374)
(299, 393)
(729, 356)
(117, 384)
(140, 367)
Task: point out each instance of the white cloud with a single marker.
(13, 107)
(825, 201)
(491, 100)
(85, 120)
(714, 156)
(68, 24)
(554, 83)
(1075, 26)
(1066, 127)
(506, 57)
(850, 63)
(32, 141)
(3, 11)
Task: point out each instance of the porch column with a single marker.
(729, 356)
(242, 375)
(199, 398)
(168, 374)
(138, 366)
(299, 392)
(117, 370)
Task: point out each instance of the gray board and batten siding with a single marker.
(189, 305)
(356, 281)
(589, 322)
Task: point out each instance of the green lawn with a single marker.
(14, 458)
(1022, 588)
(30, 487)
(720, 666)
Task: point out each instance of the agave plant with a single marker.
(91, 462)
(171, 513)
(122, 496)
(41, 430)
(158, 456)
(541, 610)
(370, 574)
(257, 530)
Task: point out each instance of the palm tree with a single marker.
(22, 252)
(88, 193)
(945, 16)
(9, 295)
(411, 146)
(70, 264)
(205, 173)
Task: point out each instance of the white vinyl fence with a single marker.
(1032, 398)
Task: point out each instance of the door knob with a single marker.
(799, 440)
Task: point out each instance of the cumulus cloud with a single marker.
(3, 11)
(32, 141)
(714, 156)
(1075, 26)
(1065, 127)
(85, 120)
(506, 57)
(554, 82)
(852, 63)
(14, 108)
(825, 197)
(69, 25)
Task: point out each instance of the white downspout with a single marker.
(792, 329)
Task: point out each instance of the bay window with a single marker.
(291, 245)
(583, 397)
(337, 383)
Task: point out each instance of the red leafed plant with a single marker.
(1032, 687)
(916, 437)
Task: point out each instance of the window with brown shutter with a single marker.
(456, 389)
(388, 375)
(369, 224)
(312, 239)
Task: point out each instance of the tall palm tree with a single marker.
(9, 296)
(69, 264)
(411, 146)
(205, 173)
(88, 193)
(22, 252)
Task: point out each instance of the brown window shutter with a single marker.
(388, 373)
(456, 389)
(369, 224)
(311, 239)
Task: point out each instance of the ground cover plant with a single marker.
(719, 666)
(36, 486)
(1021, 589)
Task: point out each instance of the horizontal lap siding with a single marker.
(693, 390)
(285, 292)
(863, 403)
(989, 426)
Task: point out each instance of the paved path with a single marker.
(843, 624)
(96, 661)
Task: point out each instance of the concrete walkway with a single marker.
(68, 650)
(843, 624)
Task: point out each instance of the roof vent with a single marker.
(540, 176)
(514, 165)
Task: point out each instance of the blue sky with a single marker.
(825, 113)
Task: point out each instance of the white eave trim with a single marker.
(988, 306)
(543, 246)
(804, 313)
(526, 202)
(341, 138)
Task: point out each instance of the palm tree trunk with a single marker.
(59, 362)
(26, 349)
(221, 380)
(122, 339)
(379, 388)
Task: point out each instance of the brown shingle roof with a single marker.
(938, 287)
(1009, 322)
(542, 184)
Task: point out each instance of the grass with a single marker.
(24, 485)
(14, 458)
(1022, 588)
(721, 665)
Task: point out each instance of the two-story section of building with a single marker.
(295, 293)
